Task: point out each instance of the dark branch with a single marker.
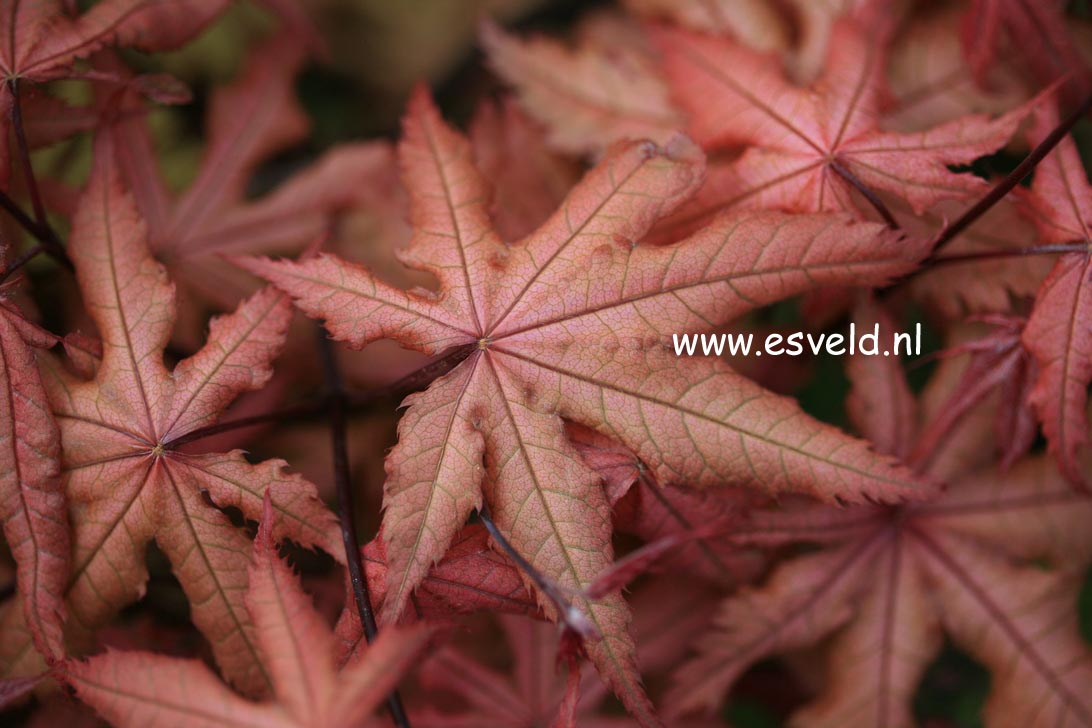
(21, 217)
(339, 443)
(412, 382)
(39, 227)
(298, 412)
(416, 380)
(24, 152)
(1056, 249)
(567, 614)
(873, 199)
(1010, 181)
(22, 260)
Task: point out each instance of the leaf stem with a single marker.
(567, 613)
(22, 260)
(873, 199)
(339, 444)
(39, 227)
(1010, 181)
(24, 152)
(1055, 249)
(308, 409)
(412, 382)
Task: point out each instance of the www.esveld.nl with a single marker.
(799, 343)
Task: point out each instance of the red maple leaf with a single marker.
(543, 337)
(126, 481)
(297, 648)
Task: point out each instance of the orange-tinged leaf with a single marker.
(1057, 331)
(40, 41)
(529, 180)
(810, 149)
(758, 24)
(995, 563)
(296, 645)
(127, 481)
(881, 407)
(150, 689)
(1037, 33)
(32, 503)
(588, 96)
(651, 511)
(576, 321)
(254, 117)
(930, 77)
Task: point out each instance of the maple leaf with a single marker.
(816, 20)
(471, 577)
(591, 95)
(995, 563)
(608, 85)
(1039, 33)
(932, 82)
(758, 24)
(248, 120)
(998, 363)
(298, 648)
(530, 180)
(645, 508)
(32, 503)
(126, 482)
(1057, 331)
(533, 690)
(817, 148)
(531, 693)
(41, 42)
(977, 285)
(574, 321)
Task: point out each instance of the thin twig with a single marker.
(24, 152)
(44, 235)
(339, 443)
(22, 260)
(1013, 178)
(416, 380)
(567, 613)
(873, 199)
(301, 411)
(24, 220)
(412, 382)
(39, 227)
(1034, 250)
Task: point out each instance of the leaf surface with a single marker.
(147, 689)
(588, 96)
(1059, 330)
(812, 149)
(32, 503)
(995, 563)
(249, 120)
(574, 321)
(126, 480)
